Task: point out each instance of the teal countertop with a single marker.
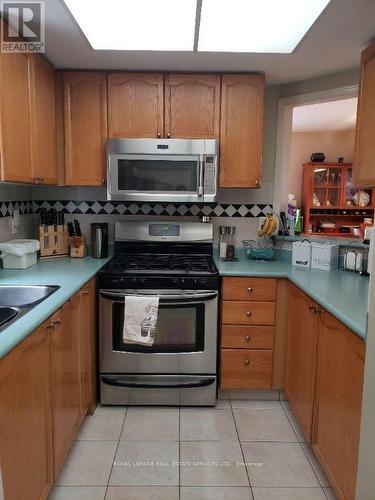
(342, 293)
(69, 274)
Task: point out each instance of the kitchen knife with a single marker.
(70, 227)
(77, 228)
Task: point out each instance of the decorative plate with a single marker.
(361, 198)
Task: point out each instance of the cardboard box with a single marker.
(301, 254)
(324, 256)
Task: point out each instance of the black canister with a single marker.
(99, 240)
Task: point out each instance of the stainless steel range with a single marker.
(172, 260)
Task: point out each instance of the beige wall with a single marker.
(332, 143)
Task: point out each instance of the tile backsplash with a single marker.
(90, 205)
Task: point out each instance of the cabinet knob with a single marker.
(169, 135)
(247, 362)
(158, 135)
(248, 313)
(257, 183)
(247, 338)
(102, 181)
(249, 289)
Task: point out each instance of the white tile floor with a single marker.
(240, 450)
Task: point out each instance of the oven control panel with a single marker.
(159, 283)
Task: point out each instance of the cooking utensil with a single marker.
(71, 231)
(77, 228)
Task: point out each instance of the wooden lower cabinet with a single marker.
(246, 369)
(87, 324)
(338, 406)
(25, 419)
(301, 357)
(247, 333)
(66, 379)
(47, 385)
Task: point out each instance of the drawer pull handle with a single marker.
(248, 313)
(247, 338)
(250, 289)
(247, 362)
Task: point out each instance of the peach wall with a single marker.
(332, 143)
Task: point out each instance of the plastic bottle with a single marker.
(223, 242)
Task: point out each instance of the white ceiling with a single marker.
(333, 44)
(333, 115)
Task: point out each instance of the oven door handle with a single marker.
(157, 383)
(195, 297)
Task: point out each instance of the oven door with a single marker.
(155, 177)
(185, 338)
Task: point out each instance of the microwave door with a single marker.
(156, 177)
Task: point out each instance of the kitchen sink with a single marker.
(7, 314)
(25, 295)
(17, 300)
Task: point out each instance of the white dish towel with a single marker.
(140, 318)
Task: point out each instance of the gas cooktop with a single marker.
(161, 264)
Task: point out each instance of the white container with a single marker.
(19, 261)
(301, 254)
(19, 254)
(324, 256)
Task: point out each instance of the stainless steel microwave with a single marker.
(162, 169)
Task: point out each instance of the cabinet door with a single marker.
(301, 357)
(364, 155)
(15, 118)
(25, 419)
(88, 347)
(192, 106)
(135, 105)
(66, 379)
(85, 123)
(339, 401)
(43, 120)
(241, 130)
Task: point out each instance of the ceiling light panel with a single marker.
(268, 26)
(136, 24)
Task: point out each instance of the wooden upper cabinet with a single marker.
(192, 106)
(339, 402)
(364, 155)
(241, 130)
(135, 105)
(301, 357)
(25, 420)
(85, 124)
(43, 121)
(15, 118)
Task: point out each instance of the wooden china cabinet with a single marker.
(328, 195)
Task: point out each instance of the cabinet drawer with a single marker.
(248, 313)
(247, 337)
(246, 369)
(249, 289)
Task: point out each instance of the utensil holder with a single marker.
(78, 246)
(53, 241)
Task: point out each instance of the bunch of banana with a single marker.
(269, 226)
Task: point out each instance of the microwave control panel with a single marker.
(209, 175)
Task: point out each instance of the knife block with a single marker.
(53, 241)
(78, 246)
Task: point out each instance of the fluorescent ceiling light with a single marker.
(136, 24)
(273, 26)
